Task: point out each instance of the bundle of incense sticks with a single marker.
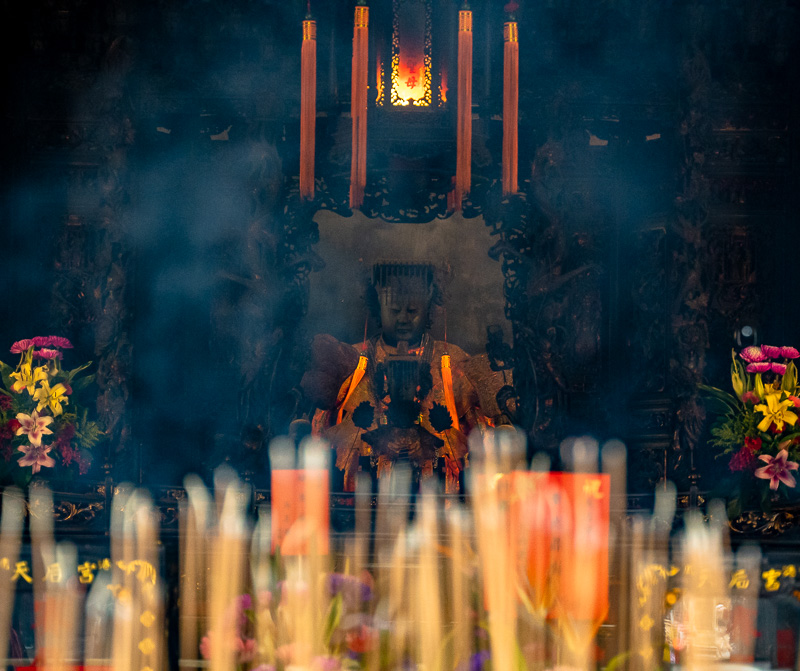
(512, 579)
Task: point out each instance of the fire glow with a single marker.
(411, 83)
(411, 59)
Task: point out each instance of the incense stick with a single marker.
(497, 567)
(10, 541)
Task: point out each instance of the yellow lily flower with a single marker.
(52, 397)
(775, 412)
(27, 379)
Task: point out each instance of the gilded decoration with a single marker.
(411, 53)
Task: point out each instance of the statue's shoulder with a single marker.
(457, 355)
(331, 363)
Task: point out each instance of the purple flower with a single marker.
(752, 354)
(475, 662)
(789, 353)
(350, 586)
(777, 470)
(779, 368)
(771, 351)
(21, 346)
(335, 582)
(761, 367)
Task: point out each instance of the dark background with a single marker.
(149, 209)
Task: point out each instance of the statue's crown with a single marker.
(385, 273)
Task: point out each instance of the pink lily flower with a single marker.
(777, 469)
(34, 426)
(36, 456)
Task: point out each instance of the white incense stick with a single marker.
(10, 540)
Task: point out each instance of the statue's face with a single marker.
(403, 317)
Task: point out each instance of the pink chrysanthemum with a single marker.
(47, 353)
(777, 470)
(779, 368)
(22, 346)
(59, 341)
(752, 354)
(760, 367)
(789, 353)
(750, 397)
(41, 341)
(770, 351)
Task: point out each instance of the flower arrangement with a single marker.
(757, 426)
(41, 425)
(262, 635)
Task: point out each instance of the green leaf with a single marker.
(77, 370)
(519, 659)
(717, 406)
(385, 649)
(88, 434)
(789, 435)
(738, 375)
(333, 618)
(5, 372)
(789, 381)
(83, 383)
(734, 507)
(23, 477)
(525, 600)
(618, 661)
(446, 650)
(724, 397)
(766, 498)
(760, 391)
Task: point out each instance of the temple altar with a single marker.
(582, 214)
